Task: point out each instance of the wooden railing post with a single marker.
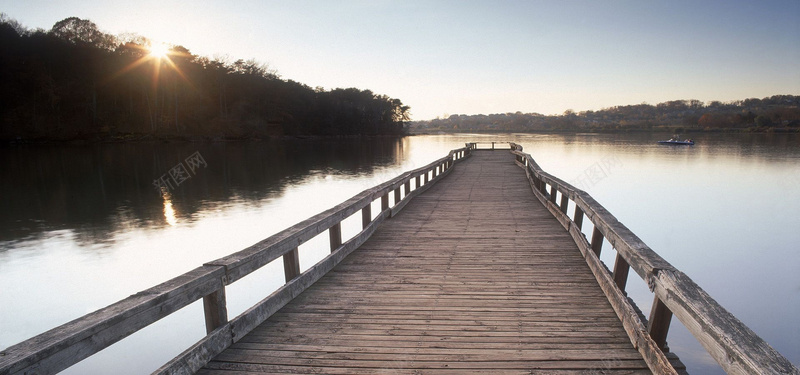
(553, 191)
(216, 310)
(336, 236)
(426, 177)
(416, 181)
(397, 195)
(658, 326)
(366, 216)
(597, 241)
(578, 219)
(564, 203)
(621, 269)
(408, 187)
(384, 202)
(291, 265)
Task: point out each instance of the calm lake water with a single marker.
(85, 226)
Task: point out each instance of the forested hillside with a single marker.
(76, 82)
(779, 113)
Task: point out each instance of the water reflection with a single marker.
(169, 212)
(100, 189)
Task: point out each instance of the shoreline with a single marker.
(182, 139)
(130, 138)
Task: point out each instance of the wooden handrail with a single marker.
(731, 343)
(493, 145)
(63, 346)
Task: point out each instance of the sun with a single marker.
(158, 50)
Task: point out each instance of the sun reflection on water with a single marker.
(169, 212)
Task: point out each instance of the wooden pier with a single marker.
(471, 265)
(473, 275)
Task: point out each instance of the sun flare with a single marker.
(158, 50)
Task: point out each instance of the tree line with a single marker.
(76, 82)
(779, 113)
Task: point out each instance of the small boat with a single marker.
(675, 140)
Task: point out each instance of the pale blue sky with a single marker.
(469, 57)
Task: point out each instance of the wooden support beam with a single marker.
(658, 326)
(621, 269)
(291, 265)
(597, 241)
(336, 236)
(216, 310)
(578, 219)
(366, 216)
(564, 203)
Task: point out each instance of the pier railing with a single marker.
(732, 344)
(489, 145)
(63, 346)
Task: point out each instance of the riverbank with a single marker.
(664, 130)
(136, 138)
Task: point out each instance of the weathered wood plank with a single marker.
(494, 283)
(215, 309)
(199, 354)
(620, 272)
(734, 346)
(366, 215)
(335, 234)
(256, 256)
(658, 324)
(654, 357)
(192, 359)
(291, 264)
(68, 344)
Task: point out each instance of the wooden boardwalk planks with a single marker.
(473, 276)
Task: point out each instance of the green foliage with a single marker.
(76, 82)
